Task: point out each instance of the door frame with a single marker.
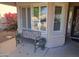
(73, 20)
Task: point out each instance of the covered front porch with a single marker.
(52, 20)
(48, 18)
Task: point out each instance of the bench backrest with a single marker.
(31, 34)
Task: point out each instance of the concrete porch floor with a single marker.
(70, 49)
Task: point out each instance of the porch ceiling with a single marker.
(28, 4)
(74, 3)
(24, 4)
(9, 3)
(33, 3)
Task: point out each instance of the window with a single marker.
(24, 17)
(43, 18)
(39, 18)
(57, 20)
(35, 18)
(29, 17)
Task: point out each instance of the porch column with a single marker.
(50, 23)
(19, 20)
(56, 38)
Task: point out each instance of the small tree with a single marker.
(11, 21)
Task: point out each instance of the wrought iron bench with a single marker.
(36, 36)
(31, 34)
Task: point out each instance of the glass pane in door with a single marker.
(24, 17)
(76, 28)
(57, 20)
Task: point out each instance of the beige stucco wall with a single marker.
(54, 39)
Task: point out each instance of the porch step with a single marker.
(75, 39)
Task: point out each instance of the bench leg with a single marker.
(35, 48)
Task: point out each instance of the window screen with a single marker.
(57, 20)
(24, 17)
